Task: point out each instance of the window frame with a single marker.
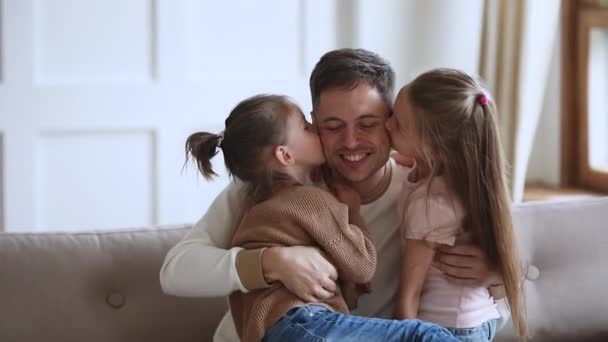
(578, 18)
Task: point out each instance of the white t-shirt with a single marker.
(202, 264)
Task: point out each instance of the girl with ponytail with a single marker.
(456, 193)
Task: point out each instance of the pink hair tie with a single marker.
(482, 99)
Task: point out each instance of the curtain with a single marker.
(518, 37)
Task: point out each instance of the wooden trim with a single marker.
(577, 19)
(588, 19)
(596, 180)
(582, 50)
(569, 125)
(594, 3)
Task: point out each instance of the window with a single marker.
(585, 94)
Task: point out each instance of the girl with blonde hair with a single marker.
(456, 193)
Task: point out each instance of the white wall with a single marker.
(98, 96)
(419, 35)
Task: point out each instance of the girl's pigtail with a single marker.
(201, 147)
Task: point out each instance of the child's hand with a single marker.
(364, 287)
(348, 196)
(403, 160)
(351, 293)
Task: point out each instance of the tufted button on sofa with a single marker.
(115, 300)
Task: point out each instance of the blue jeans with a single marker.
(480, 333)
(316, 323)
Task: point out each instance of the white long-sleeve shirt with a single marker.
(203, 265)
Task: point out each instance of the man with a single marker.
(352, 92)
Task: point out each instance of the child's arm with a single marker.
(354, 253)
(348, 246)
(417, 259)
(351, 291)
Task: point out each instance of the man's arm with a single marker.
(201, 264)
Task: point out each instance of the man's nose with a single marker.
(349, 139)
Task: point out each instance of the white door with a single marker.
(98, 96)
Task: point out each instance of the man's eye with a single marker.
(369, 124)
(332, 128)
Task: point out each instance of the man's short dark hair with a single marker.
(346, 68)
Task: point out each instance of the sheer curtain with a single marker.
(517, 44)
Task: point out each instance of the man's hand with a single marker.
(467, 265)
(303, 270)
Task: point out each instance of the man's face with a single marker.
(351, 125)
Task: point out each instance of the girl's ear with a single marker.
(284, 155)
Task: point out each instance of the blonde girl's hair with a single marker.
(457, 120)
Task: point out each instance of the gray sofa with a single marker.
(103, 286)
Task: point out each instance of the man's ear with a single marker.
(283, 155)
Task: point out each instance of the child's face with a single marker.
(402, 127)
(303, 140)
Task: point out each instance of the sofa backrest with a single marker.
(100, 286)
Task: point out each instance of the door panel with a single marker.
(97, 98)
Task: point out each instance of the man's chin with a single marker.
(351, 176)
(355, 179)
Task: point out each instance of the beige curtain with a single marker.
(517, 44)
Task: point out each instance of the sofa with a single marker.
(103, 286)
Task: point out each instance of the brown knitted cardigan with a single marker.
(300, 216)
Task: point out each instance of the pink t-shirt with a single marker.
(436, 215)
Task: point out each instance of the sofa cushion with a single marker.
(96, 286)
(564, 248)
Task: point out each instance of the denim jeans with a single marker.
(481, 333)
(316, 323)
